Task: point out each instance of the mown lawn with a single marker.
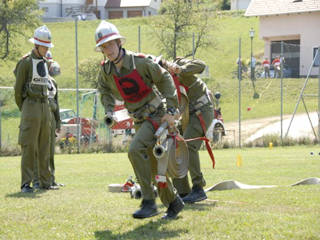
(84, 209)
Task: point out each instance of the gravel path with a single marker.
(255, 128)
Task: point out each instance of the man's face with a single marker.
(110, 49)
(42, 50)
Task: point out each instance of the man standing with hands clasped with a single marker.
(138, 81)
(31, 96)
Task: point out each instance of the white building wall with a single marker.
(303, 26)
(69, 8)
(239, 4)
(155, 4)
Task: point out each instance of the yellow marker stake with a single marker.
(239, 160)
(270, 145)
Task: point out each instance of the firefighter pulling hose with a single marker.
(171, 153)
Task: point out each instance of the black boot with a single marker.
(26, 188)
(58, 184)
(148, 209)
(36, 185)
(197, 194)
(182, 195)
(174, 208)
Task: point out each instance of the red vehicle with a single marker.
(124, 124)
(88, 126)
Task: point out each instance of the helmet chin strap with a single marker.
(37, 49)
(119, 57)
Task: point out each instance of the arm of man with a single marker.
(57, 112)
(106, 97)
(21, 73)
(164, 82)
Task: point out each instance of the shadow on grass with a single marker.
(26, 195)
(201, 206)
(149, 231)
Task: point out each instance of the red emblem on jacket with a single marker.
(132, 87)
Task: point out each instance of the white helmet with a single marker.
(42, 36)
(106, 32)
(49, 55)
(54, 69)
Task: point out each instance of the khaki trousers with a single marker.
(194, 130)
(145, 164)
(34, 139)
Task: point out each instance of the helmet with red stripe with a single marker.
(106, 32)
(54, 69)
(42, 36)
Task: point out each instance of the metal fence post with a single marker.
(139, 39)
(0, 126)
(318, 96)
(193, 38)
(239, 78)
(281, 92)
(77, 85)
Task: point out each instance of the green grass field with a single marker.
(84, 209)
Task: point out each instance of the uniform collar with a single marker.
(127, 60)
(34, 55)
(125, 64)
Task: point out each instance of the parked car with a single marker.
(124, 123)
(66, 115)
(69, 127)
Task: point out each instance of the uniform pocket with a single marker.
(24, 134)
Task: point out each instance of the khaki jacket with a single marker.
(189, 68)
(151, 73)
(23, 87)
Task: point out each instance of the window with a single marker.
(317, 60)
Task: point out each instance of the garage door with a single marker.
(291, 52)
(115, 14)
(134, 13)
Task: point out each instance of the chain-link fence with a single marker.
(270, 88)
(94, 135)
(288, 73)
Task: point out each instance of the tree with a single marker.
(178, 21)
(17, 18)
(225, 5)
(89, 70)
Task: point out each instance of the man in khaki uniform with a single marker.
(201, 115)
(32, 100)
(137, 81)
(54, 70)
